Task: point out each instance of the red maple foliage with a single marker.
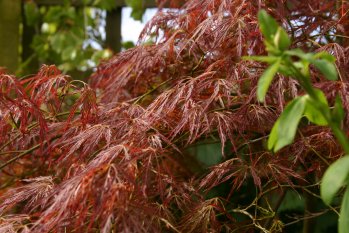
(110, 156)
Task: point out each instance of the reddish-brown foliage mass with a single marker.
(111, 155)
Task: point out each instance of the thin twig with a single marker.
(19, 156)
(151, 91)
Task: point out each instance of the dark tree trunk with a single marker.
(113, 29)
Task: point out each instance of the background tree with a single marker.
(74, 35)
(9, 36)
(118, 153)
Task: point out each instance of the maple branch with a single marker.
(151, 91)
(19, 156)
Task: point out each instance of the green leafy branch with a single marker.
(314, 106)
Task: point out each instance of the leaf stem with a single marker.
(306, 85)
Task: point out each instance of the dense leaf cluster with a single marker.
(67, 35)
(114, 155)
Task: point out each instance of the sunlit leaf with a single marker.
(58, 42)
(68, 53)
(284, 130)
(312, 112)
(299, 53)
(265, 80)
(266, 59)
(281, 39)
(267, 24)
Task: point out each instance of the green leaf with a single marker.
(265, 80)
(58, 42)
(137, 9)
(338, 111)
(266, 59)
(128, 44)
(285, 70)
(105, 4)
(311, 110)
(285, 128)
(343, 221)
(203, 153)
(326, 56)
(101, 54)
(314, 115)
(281, 39)
(267, 25)
(326, 68)
(274, 136)
(299, 53)
(32, 13)
(334, 178)
(68, 53)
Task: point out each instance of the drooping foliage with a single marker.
(114, 155)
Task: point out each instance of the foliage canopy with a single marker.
(116, 154)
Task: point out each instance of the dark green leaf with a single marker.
(285, 128)
(327, 68)
(32, 13)
(128, 44)
(338, 111)
(334, 178)
(343, 221)
(265, 80)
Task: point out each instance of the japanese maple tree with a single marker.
(116, 154)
